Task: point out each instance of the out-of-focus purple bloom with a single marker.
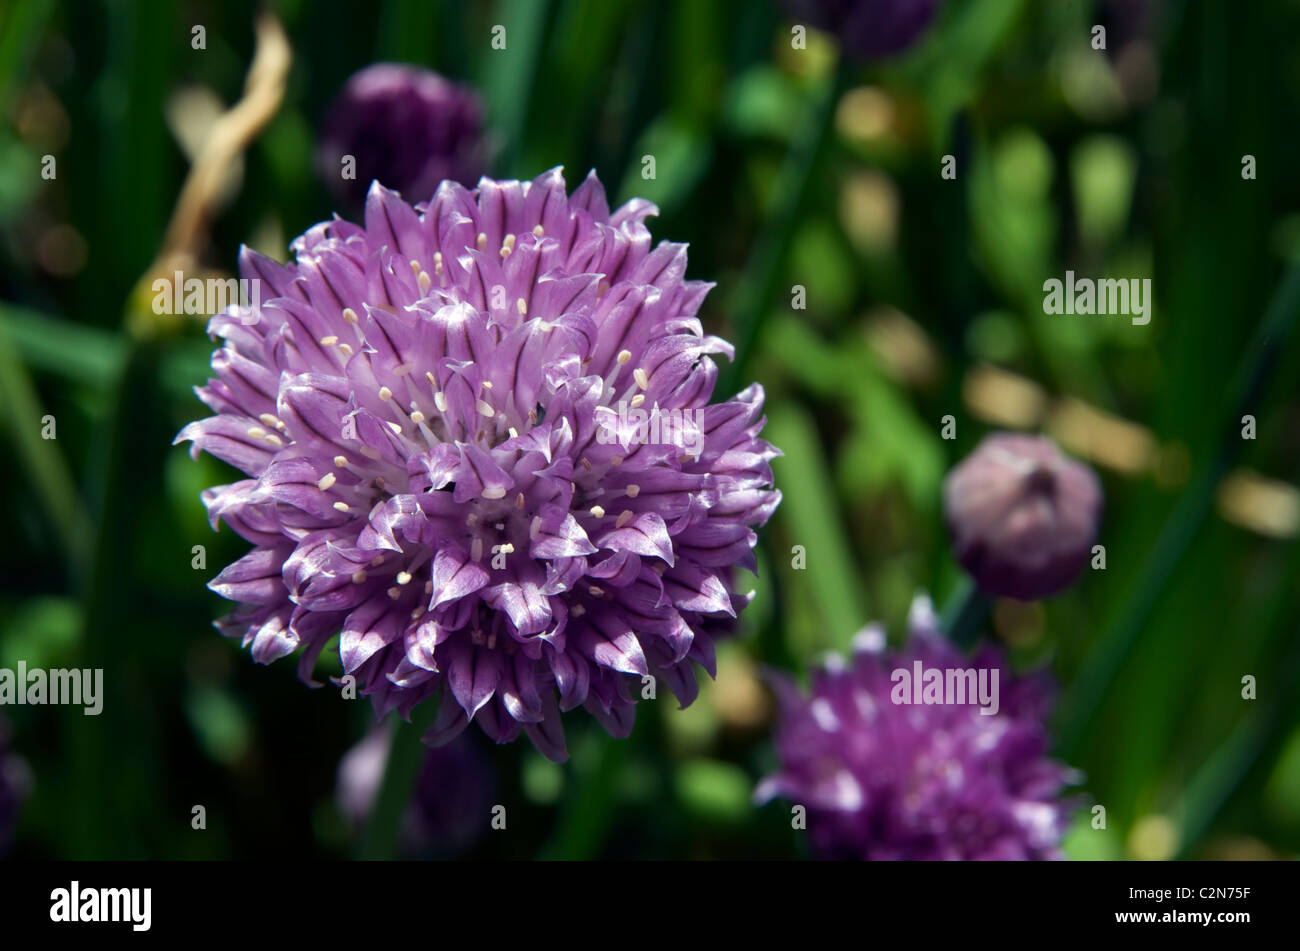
(479, 443)
(450, 807)
(867, 29)
(408, 128)
(1022, 515)
(891, 780)
(14, 782)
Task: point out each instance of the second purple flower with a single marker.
(409, 128)
(895, 759)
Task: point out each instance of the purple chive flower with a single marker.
(1022, 515)
(478, 443)
(407, 127)
(868, 29)
(452, 802)
(890, 780)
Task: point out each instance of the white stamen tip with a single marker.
(326, 482)
(494, 492)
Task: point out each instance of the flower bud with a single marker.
(1022, 515)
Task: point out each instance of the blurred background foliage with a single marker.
(780, 167)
